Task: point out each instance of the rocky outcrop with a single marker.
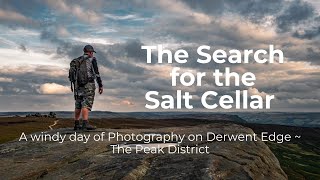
(50, 115)
(95, 160)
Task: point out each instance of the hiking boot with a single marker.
(87, 126)
(76, 125)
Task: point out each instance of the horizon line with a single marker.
(172, 111)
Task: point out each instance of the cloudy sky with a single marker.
(38, 39)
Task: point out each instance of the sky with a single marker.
(39, 38)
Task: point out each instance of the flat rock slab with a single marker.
(95, 160)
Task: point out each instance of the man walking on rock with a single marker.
(83, 73)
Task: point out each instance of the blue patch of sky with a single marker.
(129, 16)
(114, 25)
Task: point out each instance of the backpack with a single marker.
(78, 74)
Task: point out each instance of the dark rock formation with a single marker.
(95, 160)
(50, 115)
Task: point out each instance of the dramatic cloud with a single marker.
(296, 12)
(38, 39)
(83, 14)
(7, 16)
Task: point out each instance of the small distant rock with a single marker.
(52, 115)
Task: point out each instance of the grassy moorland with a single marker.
(300, 158)
(297, 160)
(12, 127)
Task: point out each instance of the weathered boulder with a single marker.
(95, 160)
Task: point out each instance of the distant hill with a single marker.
(303, 119)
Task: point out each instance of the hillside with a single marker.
(74, 160)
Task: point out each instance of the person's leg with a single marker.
(77, 113)
(87, 106)
(85, 118)
(85, 114)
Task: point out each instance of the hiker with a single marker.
(82, 75)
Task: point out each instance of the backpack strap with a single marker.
(72, 89)
(92, 68)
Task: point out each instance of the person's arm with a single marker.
(96, 70)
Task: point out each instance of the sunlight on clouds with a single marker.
(255, 91)
(101, 30)
(18, 32)
(18, 57)
(115, 104)
(162, 71)
(133, 17)
(127, 102)
(14, 16)
(288, 71)
(179, 8)
(35, 59)
(82, 14)
(2, 79)
(40, 70)
(103, 41)
(246, 29)
(53, 88)
(121, 103)
(62, 31)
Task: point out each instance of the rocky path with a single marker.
(54, 123)
(95, 160)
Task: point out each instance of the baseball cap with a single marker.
(88, 48)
